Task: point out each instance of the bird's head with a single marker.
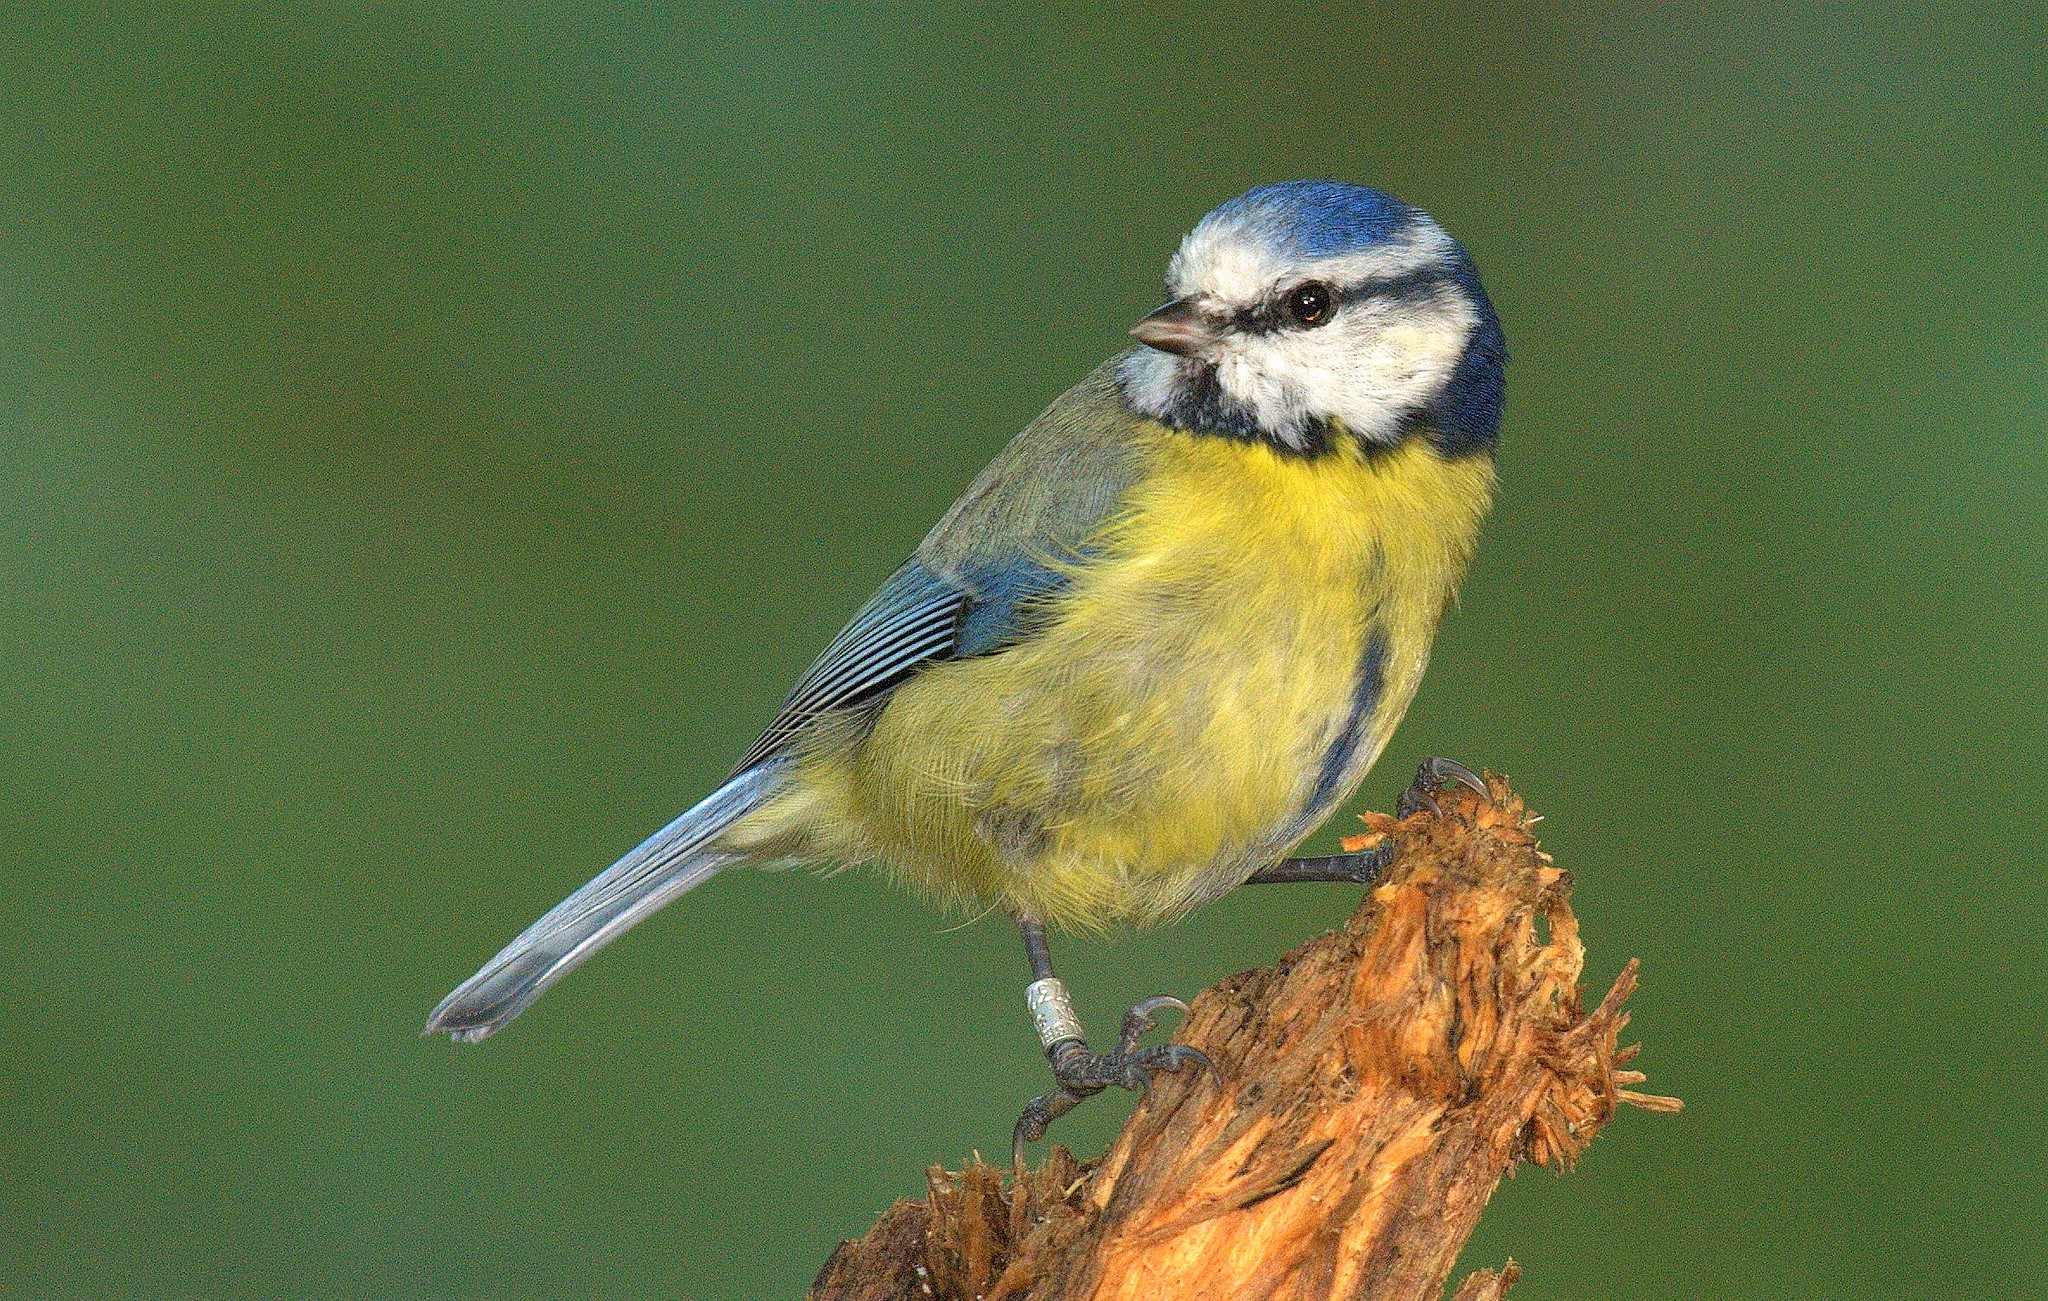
(1308, 305)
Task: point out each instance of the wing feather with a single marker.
(978, 583)
(913, 619)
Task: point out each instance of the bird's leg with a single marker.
(1361, 868)
(1078, 1073)
(1365, 866)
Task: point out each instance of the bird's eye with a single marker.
(1309, 304)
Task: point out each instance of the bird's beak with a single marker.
(1180, 327)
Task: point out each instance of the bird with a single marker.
(1159, 639)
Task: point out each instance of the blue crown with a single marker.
(1316, 218)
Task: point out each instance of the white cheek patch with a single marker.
(1264, 378)
(1369, 368)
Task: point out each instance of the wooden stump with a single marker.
(1378, 1082)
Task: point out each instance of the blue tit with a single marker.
(1159, 639)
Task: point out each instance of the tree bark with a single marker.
(1378, 1082)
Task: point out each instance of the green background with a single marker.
(430, 443)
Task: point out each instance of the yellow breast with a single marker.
(1159, 740)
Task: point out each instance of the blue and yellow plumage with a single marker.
(1165, 632)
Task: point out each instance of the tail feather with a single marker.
(674, 860)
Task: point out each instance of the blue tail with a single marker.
(674, 860)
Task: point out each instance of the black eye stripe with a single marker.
(1407, 287)
(1271, 314)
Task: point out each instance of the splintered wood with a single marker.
(1377, 1084)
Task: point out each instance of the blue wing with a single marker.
(918, 617)
(980, 580)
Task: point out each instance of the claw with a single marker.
(1138, 1068)
(1140, 1019)
(1039, 1113)
(1458, 772)
(1179, 1057)
(1430, 778)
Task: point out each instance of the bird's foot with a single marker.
(1081, 1074)
(1433, 776)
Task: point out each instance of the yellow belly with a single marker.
(1161, 738)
